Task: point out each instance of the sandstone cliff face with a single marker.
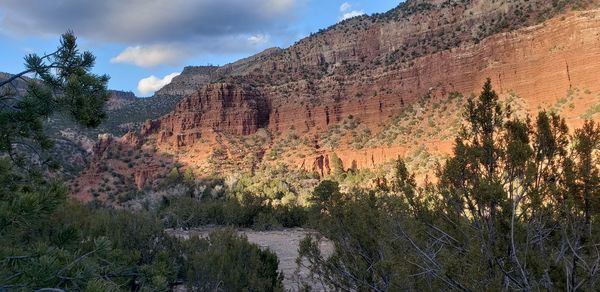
(540, 63)
(220, 107)
(372, 68)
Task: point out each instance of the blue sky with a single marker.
(152, 40)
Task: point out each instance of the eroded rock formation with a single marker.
(221, 107)
(371, 68)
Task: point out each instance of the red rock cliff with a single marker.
(371, 68)
(221, 107)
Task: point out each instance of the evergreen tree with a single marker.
(337, 166)
(46, 243)
(62, 82)
(326, 194)
(227, 262)
(514, 208)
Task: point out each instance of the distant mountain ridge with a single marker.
(20, 84)
(193, 78)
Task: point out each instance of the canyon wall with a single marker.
(540, 63)
(371, 69)
(221, 107)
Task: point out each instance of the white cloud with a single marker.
(147, 22)
(353, 13)
(258, 39)
(159, 30)
(150, 56)
(346, 13)
(151, 84)
(345, 7)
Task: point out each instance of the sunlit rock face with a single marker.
(371, 69)
(222, 107)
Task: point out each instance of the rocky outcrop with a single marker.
(372, 68)
(321, 165)
(149, 127)
(132, 139)
(146, 175)
(190, 80)
(119, 99)
(104, 141)
(221, 107)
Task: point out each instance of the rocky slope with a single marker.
(372, 88)
(189, 81)
(193, 78)
(19, 86)
(120, 99)
(125, 112)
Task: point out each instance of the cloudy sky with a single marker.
(142, 44)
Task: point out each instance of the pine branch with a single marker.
(20, 75)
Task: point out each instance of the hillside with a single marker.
(368, 89)
(125, 112)
(386, 41)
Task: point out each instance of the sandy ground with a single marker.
(284, 243)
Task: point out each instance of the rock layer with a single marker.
(371, 68)
(540, 63)
(220, 107)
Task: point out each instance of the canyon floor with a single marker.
(283, 242)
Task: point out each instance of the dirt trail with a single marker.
(283, 242)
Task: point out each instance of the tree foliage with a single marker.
(50, 244)
(62, 82)
(227, 262)
(514, 208)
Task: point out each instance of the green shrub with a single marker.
(251, 212)
(227, 262)
(266, 221)
(291, 215)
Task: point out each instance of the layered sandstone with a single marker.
(371, 68)
(540, 63)
(220, 107)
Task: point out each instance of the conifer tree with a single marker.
(337, 166)
(515, 207)
(62, 81)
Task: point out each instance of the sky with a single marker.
(143, 44)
